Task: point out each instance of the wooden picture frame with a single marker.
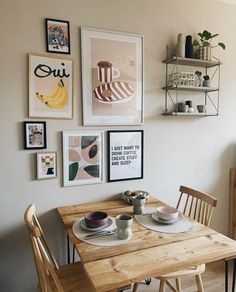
(125, 155)
(46, 165)
(57, 36)
(112, 70)
(35, 135)
(82, 157)
(50, 86)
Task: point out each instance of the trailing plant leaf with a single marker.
(87, 140)
(222, 45)
(93, 170)
(73, 169)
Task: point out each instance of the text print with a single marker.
(43, 71)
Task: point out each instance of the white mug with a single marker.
(106, 73)
(124, 223)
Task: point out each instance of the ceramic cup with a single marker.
(124, 223)
(139, 205)
(186, 107)
(201, 108)
(106, 73)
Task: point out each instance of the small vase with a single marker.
(189, 47)
(206, 83)
(180, 46)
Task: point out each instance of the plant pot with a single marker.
(204, 53)
(206, 83)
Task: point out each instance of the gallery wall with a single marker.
(197, 152)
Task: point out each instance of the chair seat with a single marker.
(73, 278)
(184, 272)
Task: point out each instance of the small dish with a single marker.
(166, 222)
(96, 219)
(84, 226)
(128, 196)
(167, 212)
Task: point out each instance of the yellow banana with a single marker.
(57, 99)
(60, 102)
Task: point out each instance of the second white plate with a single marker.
(166, 222)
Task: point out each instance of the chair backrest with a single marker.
(45, 262)
(196, 205)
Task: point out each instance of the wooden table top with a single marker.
(148, 253)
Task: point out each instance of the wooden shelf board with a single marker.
(192, 62)
(191, 88)
(190, 114)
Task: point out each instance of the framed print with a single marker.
(58, 36)
(46, 165)
(35, 136)
(50, 87)
(125, 155)
(112, 70)
(82, 158)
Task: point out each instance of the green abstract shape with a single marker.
(93, 170)
(73, 169)
(87, 140)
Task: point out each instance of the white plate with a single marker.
(167, 222)
(85, 227)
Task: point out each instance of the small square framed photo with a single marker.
(35, 136)
(58, 36)
(46, 165)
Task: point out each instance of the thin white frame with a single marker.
(88, 118)
(49, 114)
(39, 165)
(65, 136)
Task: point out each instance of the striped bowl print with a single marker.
(113, 91)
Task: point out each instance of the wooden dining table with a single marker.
(148, 253)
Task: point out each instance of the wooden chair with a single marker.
(197, 206)
(51, 277)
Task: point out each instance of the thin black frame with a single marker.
(25, 124)
(109, 158)
(46, 28)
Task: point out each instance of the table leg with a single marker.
(73, 256)
(68, 250)
(226, 276)
(234, 272)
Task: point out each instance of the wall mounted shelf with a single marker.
(211, 94)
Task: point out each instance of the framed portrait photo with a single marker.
(46, 165)
(125, 155)
(112, 70)
(57, 36)
(50, 87)
(35, 136)
(82, 158)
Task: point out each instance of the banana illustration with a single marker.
(57, 99)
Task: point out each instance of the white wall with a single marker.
(197, 152)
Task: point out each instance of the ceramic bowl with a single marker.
(96, 219)
(167, 213)
(128, 196)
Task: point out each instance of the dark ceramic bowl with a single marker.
(96, 219)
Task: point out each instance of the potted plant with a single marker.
(206, 81)
(205, 44)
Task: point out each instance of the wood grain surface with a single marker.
(148, 253)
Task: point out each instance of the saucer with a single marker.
(167, 222)
(84, 226)
(114, 92)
